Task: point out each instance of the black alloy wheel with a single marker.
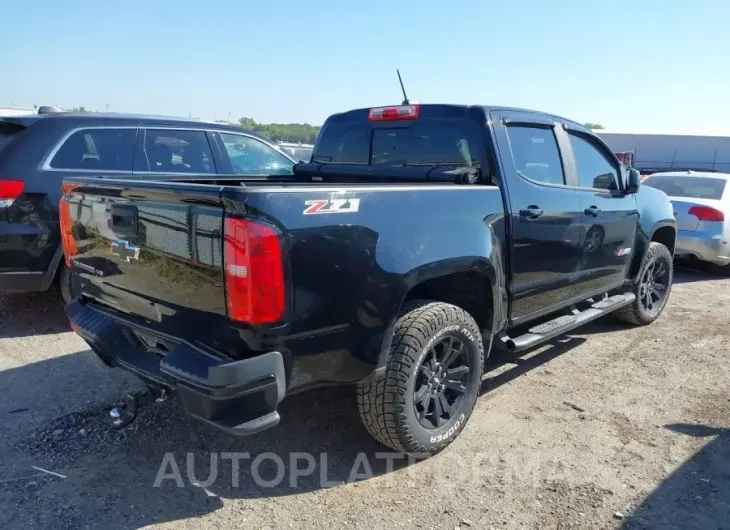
(651, 288)
(653, 285)
(441, 382)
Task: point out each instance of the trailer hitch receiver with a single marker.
(125, 414)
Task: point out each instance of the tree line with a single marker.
(279, 132)
(283, 132)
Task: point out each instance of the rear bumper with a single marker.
(24, 281)
(704, 246)
(239, 397)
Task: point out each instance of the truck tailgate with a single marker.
(151, 252)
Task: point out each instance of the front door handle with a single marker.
(531, 212)
(593, 211)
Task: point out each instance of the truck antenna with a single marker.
(405, 97)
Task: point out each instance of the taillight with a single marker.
(401, 112)
(67, 238)
(254, 271)
(705, 213)
(9, 191)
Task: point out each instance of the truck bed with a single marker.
(350, 254)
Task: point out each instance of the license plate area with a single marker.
(153, 343)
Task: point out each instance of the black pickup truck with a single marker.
(415, 241)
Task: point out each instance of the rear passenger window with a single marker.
(536, 154)
(178, 151)
(595, 169)
(97, 149)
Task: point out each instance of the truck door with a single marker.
(610, 217)
(544, 214)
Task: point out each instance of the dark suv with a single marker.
(38, 151)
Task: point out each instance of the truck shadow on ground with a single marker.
(697, 494)
(319, 443)
(29, 314)
(503, 367)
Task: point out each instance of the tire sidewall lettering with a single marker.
(453, 328)
(452, 430)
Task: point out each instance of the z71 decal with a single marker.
(331, 206)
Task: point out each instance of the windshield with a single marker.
(426, 143)
(249, 156)
(692, 187)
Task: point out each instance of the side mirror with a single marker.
(605, 181)
(633, 181)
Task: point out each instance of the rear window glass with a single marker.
(97, 149)
(693, 187)
(420, 144)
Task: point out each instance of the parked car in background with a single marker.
(416, 239)
(701, 204)
(38, 151)
(300, 152)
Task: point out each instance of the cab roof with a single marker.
(111, 119)
(456, 109)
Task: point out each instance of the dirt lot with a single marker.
(611, 427)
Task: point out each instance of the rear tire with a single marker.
(436, 363)
(652, 287)
(64, 283)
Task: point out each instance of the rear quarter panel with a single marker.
(350, 272)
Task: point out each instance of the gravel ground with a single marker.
(612, 427)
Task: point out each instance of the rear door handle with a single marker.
(593, 211)
(531, 213)
(123, 219)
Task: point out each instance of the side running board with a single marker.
(565, 323)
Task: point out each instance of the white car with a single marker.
(701, 204)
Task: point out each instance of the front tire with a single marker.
(652, 287)
(432, 380)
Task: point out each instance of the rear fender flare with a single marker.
(643, 239)
(493, 274)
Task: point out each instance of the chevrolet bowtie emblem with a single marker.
(124, 250)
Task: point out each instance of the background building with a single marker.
(15, 111)
(665, 152)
